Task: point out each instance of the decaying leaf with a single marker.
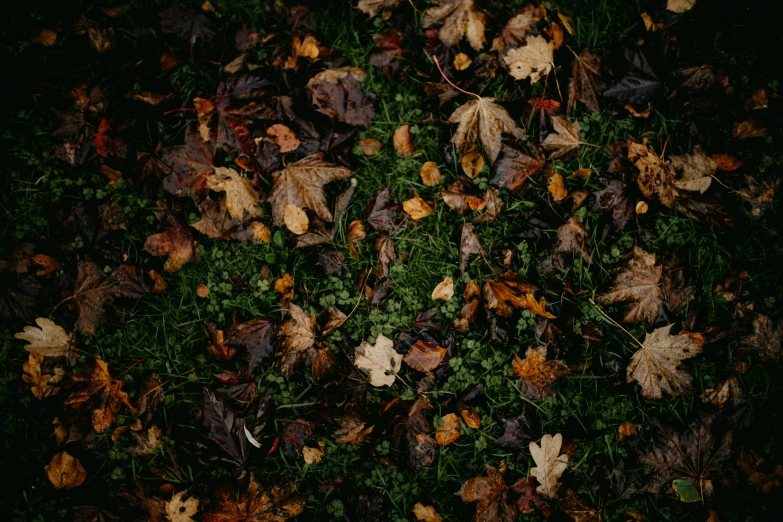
(417, 208)
(424, 356)
(49, 339)
(680, 6)
(585, 83)
(481, 120)
(550, 464)
(384, 247)
(515, 167)
(557, 188)
(640, 285)
(430, 174)
(175, 242)
(502, 297)
(533, 60)
(655, 366)
(460, 19)
(283, 137)
(295, 219)
(98, 390)
(564, 141)
(312, 455)
(338, 94)
(241, 196)
(765, 341)
(403, 141)
(695, 170)
(258, 503)
(65, 471)
(179, 509)
(448, 431)
(380, 361)
(655, 176)
(298, 336)
(372, 7)
(490, 493)
(425, 513)
(469, 245)
(575, 507)
(302, 184)
(41, 384)
(537, 375)
(573, 238)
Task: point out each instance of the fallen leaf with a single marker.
(48, 265)
(640, 285)
(356, 232)
(146, 443)
(403, 141)
(470, 417)
(379, 361)
(481, 120)
(460, 20)
(444, 290)
(42, 385)
(576, 508)
(241, 196)
(97, 389)
(655, 177)
(259, 503)
(384, 248)
(637, 81)
(490, 493)
(179, 510)
(538, 374)
(283, 137)
(372, 7)
(493, 205)
(462, 61)
(65, 471)
(312, 455)
(425, 513)
(655, 366)
(695, 170)
(514, 168)
(370, 146)
(472, 163)
(430, 174)
(520, 26)
(557, 188)
(747, 129)
(295, 219)
(502, 297)
(49, 339)
(573, 238)
(550, 464)
(469, 245)
(298, 336)
(302, 184)
(175, 242)
(202, 291)
(425, 356)
(765, 342)
(189, 25)
(352, 431)
(338, 94)
(534, 60)
(586, 81)
(448, 431)
(46, 37)
(680, 6)
(564, 141)
(417, 208)
(696, 454)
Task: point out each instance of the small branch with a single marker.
(614, 322)
(437, 64)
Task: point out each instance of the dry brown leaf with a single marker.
(259, 503)
(470, 417)
(460, 19)
(295, 219)
(65, 471)
(695, 170)
(285, 287)
(372, 7)
(103, 393)
(370, 146)
(46, 37)
(379, 361)
(640, 284)
(655, 366)
(302, 184)
(403, 141)
(538, 374)
(557, 188)
(49, 339)
(550, 464)
(283, 137)
(444, 290)
(469, 245)
(48, 265)
(312, 455)
(680, 6)
(241, 196)
(336, 320)
(424, 356)
(655, 176)
(384, 248)
(298, 336)
(356, 232)
(425, 513)
(430, 174)
(573, 238)
(577, 509)
(626, 431)
(448, 432)
(352, 431)
(534, 60)
(180, 510)
(481, 120)
(41, 383)
(158, 283)
(564, 141)
(417, 208)
(302, 48)
(462, 61)
(202, 291)
(502, 297)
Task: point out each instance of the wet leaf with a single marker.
(481, 120)
(257, 503)
(65, 471)
(537, 374)
(424, 356)
(297, 337)
(490, 493)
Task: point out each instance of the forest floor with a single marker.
(391, 260)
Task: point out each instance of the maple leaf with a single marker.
(482, 120)
(258, 503)
(216, 222)
(187, 24)
(298, 336)
(514, 168)
(533, 60)
(175, 242)
(372, 7)
(550, 464)
(302, 184)
(426, 513)
(696, 454)
(638, 82)
(655, 366)
(490, 493)
(502, 297)
(537, 375)
(380, 361)
(585, 82)
(179, 510)
(520, 26)
(92, 293)
(615, 197)
(255, 336)
(576, 508)
(695, 170)
(338, 94)
(460, 20)
(640, 284)
(65, 471)
(49, 339)
(424, 356)
(99, 390)
(191, 164)
(564, 141)
(241, 196)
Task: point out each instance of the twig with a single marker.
(437, 64)
(618, 325)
